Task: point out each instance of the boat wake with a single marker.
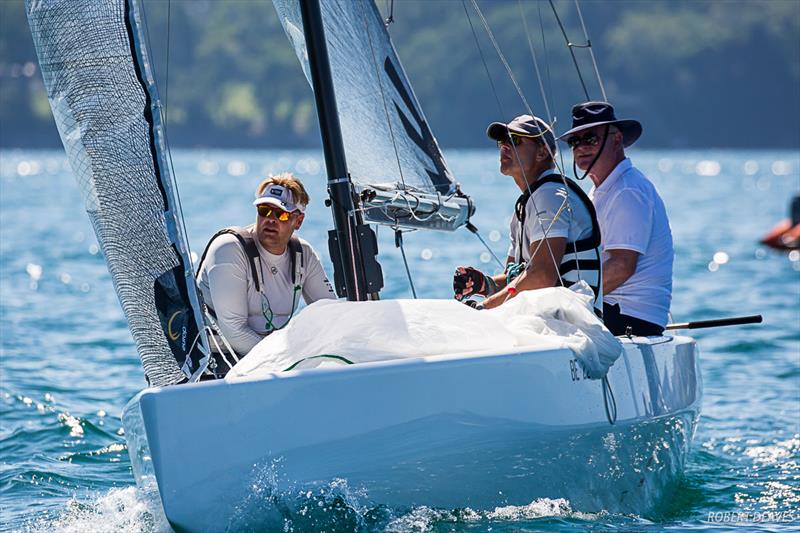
(123, 510)
(336, 506)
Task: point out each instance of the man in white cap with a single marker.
(555, 238)
(251, 278)
(637, 239)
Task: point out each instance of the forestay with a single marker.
(100, 84)
(395, 329)
(391, 151)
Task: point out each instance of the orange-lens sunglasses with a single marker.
(267, 211)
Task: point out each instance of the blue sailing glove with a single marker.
(468, 281)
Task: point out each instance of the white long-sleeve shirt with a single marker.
(244, 314)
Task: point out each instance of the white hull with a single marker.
(478, 431)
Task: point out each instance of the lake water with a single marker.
(69, 366)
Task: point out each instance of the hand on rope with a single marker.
(474, 304)
(468, 281)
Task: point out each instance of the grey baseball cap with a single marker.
(279, 196)
(524, 125)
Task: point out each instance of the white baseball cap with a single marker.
(279, 196)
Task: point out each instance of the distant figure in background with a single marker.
(637, 239)
(251, 278)
(786, 234)
(555, 238)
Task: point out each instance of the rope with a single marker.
(327, 356)
(609, 402)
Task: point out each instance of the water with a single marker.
(68, 364)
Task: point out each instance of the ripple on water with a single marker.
(119, 510)
(70, 341)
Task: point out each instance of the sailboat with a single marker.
(480, 429)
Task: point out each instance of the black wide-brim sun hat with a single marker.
(590, 114)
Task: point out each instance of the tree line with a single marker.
(717, 73)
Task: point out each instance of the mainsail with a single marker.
(392, 156)
(101, 88)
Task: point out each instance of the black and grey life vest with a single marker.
(245, 238)
(582, 260)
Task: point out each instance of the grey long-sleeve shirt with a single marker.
(243, 314)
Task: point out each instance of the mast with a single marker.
(352, 243)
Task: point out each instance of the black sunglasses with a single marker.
(515, 139)
(588, 140)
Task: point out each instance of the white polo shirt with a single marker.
(632, 216)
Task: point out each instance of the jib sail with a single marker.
(392, 155)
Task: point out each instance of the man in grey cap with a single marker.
(637, 239)
(555, 238)
(251, 278)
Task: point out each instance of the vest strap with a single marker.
(581, 245)
(248, 244)
(571, 261)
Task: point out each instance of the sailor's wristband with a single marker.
(491, 286)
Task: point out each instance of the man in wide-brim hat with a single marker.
(636, 236)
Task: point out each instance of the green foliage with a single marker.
(229, 77)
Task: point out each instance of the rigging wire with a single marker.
(535, 63)
(166, 75)
(562, 164)
(398, 242)
(591, 52)
(546, 58)
(502, 57)
(551, 119)
(390, 18)
(383, 99)
(570, 46)
(544, 97)
(471, 227)
(500, 107)
(178, 215)
(559, 167)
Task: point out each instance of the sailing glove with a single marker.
(467, 281)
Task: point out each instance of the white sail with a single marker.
(101, 88)
(391, 151)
